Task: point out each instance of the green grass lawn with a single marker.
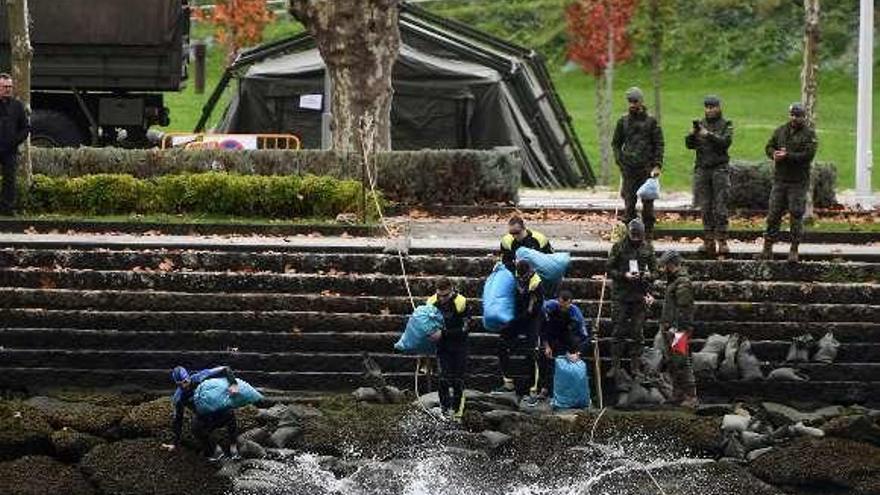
(176, 219)
(756, 100)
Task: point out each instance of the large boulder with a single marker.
(838, 465)
(80, 416)
(671, 432)
(711, 478)
(142, 466)
(149, 419)
(861, 428)
(23, 431)
(70, 445)
(40, 475)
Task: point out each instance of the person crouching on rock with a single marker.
(202, 424)
(521, 335)
(677, 323)
(563, 333)
(452, 349)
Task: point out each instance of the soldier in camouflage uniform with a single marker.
(638, 151)
(631, 268)
(711, 138)
(792, 149)
(677, 326)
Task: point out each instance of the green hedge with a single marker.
(750, 184)
(411, 177)
(207, 193)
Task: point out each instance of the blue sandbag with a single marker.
(499, 299)
(650, 190)
(424, 321)
(570, 384)
(551, 267)
(213, 395)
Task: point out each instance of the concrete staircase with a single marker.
(290, 319)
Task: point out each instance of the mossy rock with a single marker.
(711, 478)
(107, 399)
(672, 431)
(142, 466)
(835, 465)
(23, 431)
(150, 419)
(348, 428)
(70, 445)
(79, 416)
(39, 475)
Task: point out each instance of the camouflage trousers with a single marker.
(628, 336)
(712, 189)
(791, 197)
(684, 384)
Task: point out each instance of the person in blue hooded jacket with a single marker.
(563, 333)
(202, 424)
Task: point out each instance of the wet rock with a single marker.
(80, 416)
(285, 437)
(258, 435)
(666, 432)
(694, 478)
(836, 465)
(136, 467)
(782, 414)
(367, 394)
(496, 438)
(754, 454)
(529, 470)
(38, 475)
(71, 446)
(859, 428)
(249, 449)
(714, 409)
(753, 441)
(23, 431)
(149, 419)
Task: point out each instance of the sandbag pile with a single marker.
(746, 437)
(727, 357)
(653, 386)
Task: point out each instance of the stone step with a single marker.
(340, 342)
(323, 362)
(473, 266)
(310, 322)
(333, 284)
(842, 392)
(72, 299)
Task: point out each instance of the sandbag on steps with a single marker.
(551, 267)
(715, 344)
(570, 384)
(499, 301)
(799, 351)
(729, 368)
(747, 362)
(827, 349)
(425, 320)
(213, 395)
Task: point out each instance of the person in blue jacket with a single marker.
(203, 424)
(563, 333)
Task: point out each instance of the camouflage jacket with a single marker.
(638, 142)
(801, 144)
(678, 302)
(619, 264)
(712, 148)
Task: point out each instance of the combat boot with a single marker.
(767, 252)
(793, 256)
(723, 249)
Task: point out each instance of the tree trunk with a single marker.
(21, 54)
(810, 76)
(359, 41)
(607, 107)
(656, 54)
(602, 128)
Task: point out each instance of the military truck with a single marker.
(99, 67)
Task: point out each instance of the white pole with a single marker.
(863, 124)
(327, 113)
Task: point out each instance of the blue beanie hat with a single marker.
(179, 374)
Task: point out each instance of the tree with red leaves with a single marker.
(597, 39)
(239, 23)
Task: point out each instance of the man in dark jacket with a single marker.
(14, 128)
(792, 148)
(519, 236)
(638, 151)
(521, 335)
(451, 347)
(202, 424)
(563, 333)
(631, 268)
(711, 137)
(677, 326)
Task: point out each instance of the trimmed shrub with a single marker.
(411, 177)
(750, 184)
(206, 193)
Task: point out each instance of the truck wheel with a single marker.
(53, 129)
